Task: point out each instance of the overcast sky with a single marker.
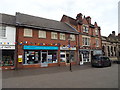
(104, 12)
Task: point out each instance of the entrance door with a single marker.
(44, 57)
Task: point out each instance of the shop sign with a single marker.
(26, 47)
(67, 48)
(7, 47)
(19, 58)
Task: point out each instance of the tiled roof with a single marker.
(7, 19)
(42, 23)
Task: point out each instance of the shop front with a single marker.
(7, 58)
(68, 54)
(42, 55)
(85, 56)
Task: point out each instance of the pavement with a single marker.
(60, 77)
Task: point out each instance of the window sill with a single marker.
(27, 36)
(41, 38)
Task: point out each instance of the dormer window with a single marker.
(85, 28)
(96, 31)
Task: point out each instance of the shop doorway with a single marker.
(44, 57)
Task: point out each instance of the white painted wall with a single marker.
(10, 37)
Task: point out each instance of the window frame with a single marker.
(62, 36)
(85, 29)
(26, 35)
(53, 35)
(3, 31)
(43, 34)
(72, 36)
(86, 41)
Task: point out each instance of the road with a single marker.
(60, 77)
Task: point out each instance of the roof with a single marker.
(42, 23)
(7, 19)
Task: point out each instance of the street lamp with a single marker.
(69, 39)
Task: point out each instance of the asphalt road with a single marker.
(60, 77)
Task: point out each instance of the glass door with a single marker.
(44, 57)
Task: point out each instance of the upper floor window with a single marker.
(85, 28)
(97, 43)
(72, 37)
(86, 41)
(54, 35)
(27, 32)
(42, 34)
(2, 31)
(62, 36)
(96, 31)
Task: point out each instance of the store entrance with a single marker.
(44, 57)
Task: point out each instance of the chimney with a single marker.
(79, 16)
(113, 33)
(88, 18)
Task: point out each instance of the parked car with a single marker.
(100, 61)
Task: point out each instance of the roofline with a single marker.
(45, 28)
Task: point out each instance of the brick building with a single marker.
(111, 46)
(43, 42)
(89, 39)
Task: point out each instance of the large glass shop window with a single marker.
(52, 57)
(32, 57)
(7, 58)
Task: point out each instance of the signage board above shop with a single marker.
(67, 48)
(26, 47)
(7, 47)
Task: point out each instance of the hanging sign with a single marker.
(19, 58)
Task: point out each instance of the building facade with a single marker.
(7, 40)
(39, 42)
(111, 46)
(42, 42)
(89, 39)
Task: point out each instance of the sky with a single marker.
(104, 12)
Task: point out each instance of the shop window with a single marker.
(2, 32)
(42, 34)
(63, 56)
(27, 32)
(54, 35)
(72, 37)
(52, 57)
(31, 57)
(7, 58)
(62, 36)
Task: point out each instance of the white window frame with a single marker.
(72, 36)
(62, 36)
(28, 32)
(97, 42)
(42, 34)
(54, 35)
(86, 28)
(86, 41)
(3, 33)
(96, 31)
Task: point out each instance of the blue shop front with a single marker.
(42, 55)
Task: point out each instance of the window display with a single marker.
(34, 57)
(7, 58)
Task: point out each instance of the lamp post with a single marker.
(69, 39)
